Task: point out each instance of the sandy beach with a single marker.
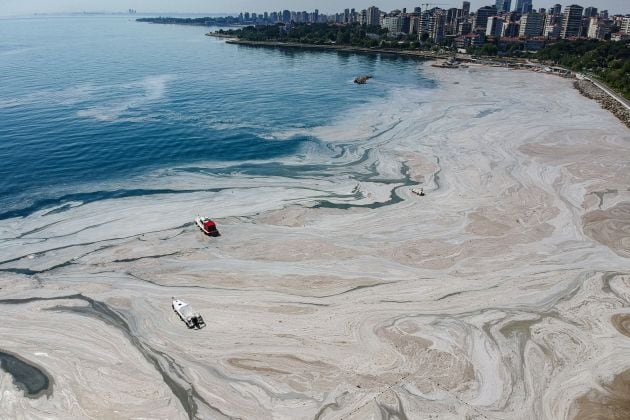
(504, 293)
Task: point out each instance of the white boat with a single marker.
(188, 315)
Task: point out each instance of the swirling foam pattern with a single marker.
(334, 292)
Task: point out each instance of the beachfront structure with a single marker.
(471, 40)
(532, 24)
(571, 21)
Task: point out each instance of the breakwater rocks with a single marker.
(590, 90)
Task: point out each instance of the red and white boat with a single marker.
(207, 226)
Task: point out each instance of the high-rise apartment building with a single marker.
(451, 20)
(553, 25)
(571, 21)
(397, 24)
(363, 17)
(503, 5)
(590, 12)
(483, 13)
(598, 28)
(437, 26)
(495, 26)
(373, 16)
(424, 22)
(532, 24)
(392, 24)
(510, 29)
(414, 24)
(464, 27)
(523, 6)
(405, 23)
(466, 8)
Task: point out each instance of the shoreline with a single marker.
(342, 48)
(607, 100)
(592, 91)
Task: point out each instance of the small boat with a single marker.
(188, 315)
(207, 226)
(418, 191)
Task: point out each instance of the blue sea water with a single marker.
(87, 99)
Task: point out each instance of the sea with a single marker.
(90, 102)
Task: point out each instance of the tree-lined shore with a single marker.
(608, 61)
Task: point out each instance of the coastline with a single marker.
(605, 99)
(593, 92)
(502, 293)
(341, 48)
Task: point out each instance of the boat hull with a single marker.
(199, 222)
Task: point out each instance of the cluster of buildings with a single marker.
(573, 21)
(463, 28)
(371, 16)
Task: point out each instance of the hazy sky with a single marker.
(20, 7)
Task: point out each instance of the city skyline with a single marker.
(16, 7)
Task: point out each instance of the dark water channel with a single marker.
(31, 379)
